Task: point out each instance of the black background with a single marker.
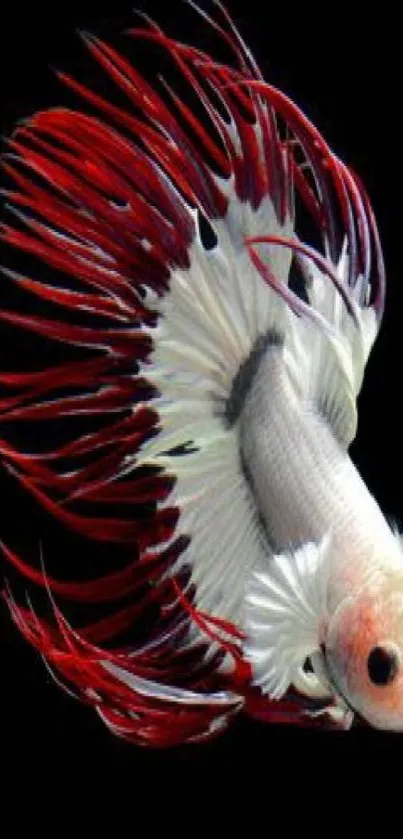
(343, 69)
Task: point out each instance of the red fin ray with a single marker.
(121, 688)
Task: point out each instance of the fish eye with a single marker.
(382, 665)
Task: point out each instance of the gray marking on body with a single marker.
(243, 380)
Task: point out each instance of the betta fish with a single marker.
(205, 361)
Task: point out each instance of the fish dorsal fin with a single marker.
(332, 359)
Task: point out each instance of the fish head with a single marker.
(364, 651)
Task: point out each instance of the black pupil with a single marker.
(382, 666)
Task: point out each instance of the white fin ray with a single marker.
(285, 608)
(210, 320)
(335, 363)
(217, 510)
(168, 693)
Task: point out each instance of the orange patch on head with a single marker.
(367, 626)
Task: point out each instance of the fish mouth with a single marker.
(332, 703)
(358, 720)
